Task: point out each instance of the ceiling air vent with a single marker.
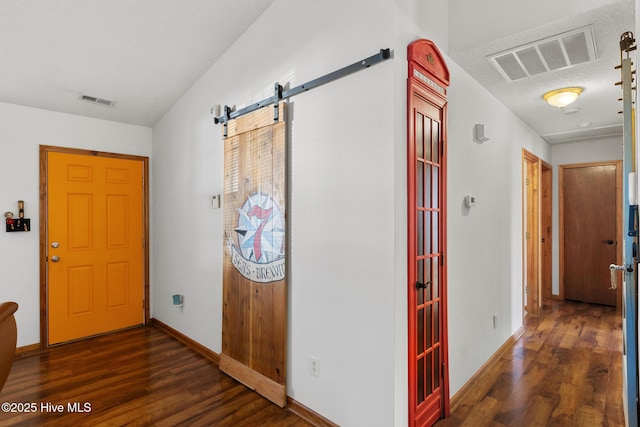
(553, 53)
(96, 100)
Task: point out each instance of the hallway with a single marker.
(565, 370)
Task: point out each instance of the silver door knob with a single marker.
(55, 258)
(55, 244)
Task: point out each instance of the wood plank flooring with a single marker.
(565, 370)
(138, 377)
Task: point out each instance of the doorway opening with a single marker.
(537, 232)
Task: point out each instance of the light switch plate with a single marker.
(214, 201)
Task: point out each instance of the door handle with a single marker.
(609, 242)
(420, 285)
(55, 258)
(613, 269)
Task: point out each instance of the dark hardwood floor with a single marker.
(138, 377)
(565, 370)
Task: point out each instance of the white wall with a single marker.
(341, 210)
(598, 150)
(484, 242)
(347, 206)
(409, 15)
(22, 131)
(347, 211)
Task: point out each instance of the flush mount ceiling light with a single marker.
(562, 97)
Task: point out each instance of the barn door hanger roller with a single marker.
(279, 93)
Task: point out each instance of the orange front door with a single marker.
(95, 248)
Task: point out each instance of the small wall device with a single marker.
(178, 300)
(469, 201)
(481, 133)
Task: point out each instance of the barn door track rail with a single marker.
(279, 93)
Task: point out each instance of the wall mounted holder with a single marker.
(481, 133)
(469, 201)
(20, 224)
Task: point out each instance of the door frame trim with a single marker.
(546, 210)
(44, 150)
(533, 298)
(561, 168)
(539, 206)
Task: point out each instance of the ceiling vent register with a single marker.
(96, 100)
(553, 53)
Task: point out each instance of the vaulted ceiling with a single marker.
(141, 54)
(144, 55)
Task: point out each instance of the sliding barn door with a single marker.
(254, 325)
(426, 287)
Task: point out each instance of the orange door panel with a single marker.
(95, 245)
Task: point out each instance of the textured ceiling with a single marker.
(598, 106)
(143, 54)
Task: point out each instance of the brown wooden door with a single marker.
(589, 199)
(95, 248)
(426, 287)
(254, 321)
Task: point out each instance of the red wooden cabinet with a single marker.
(427, 84)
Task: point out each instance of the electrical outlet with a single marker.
(314, 366)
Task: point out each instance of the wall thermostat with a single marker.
(469, 201)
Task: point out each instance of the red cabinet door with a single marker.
(426, 287)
